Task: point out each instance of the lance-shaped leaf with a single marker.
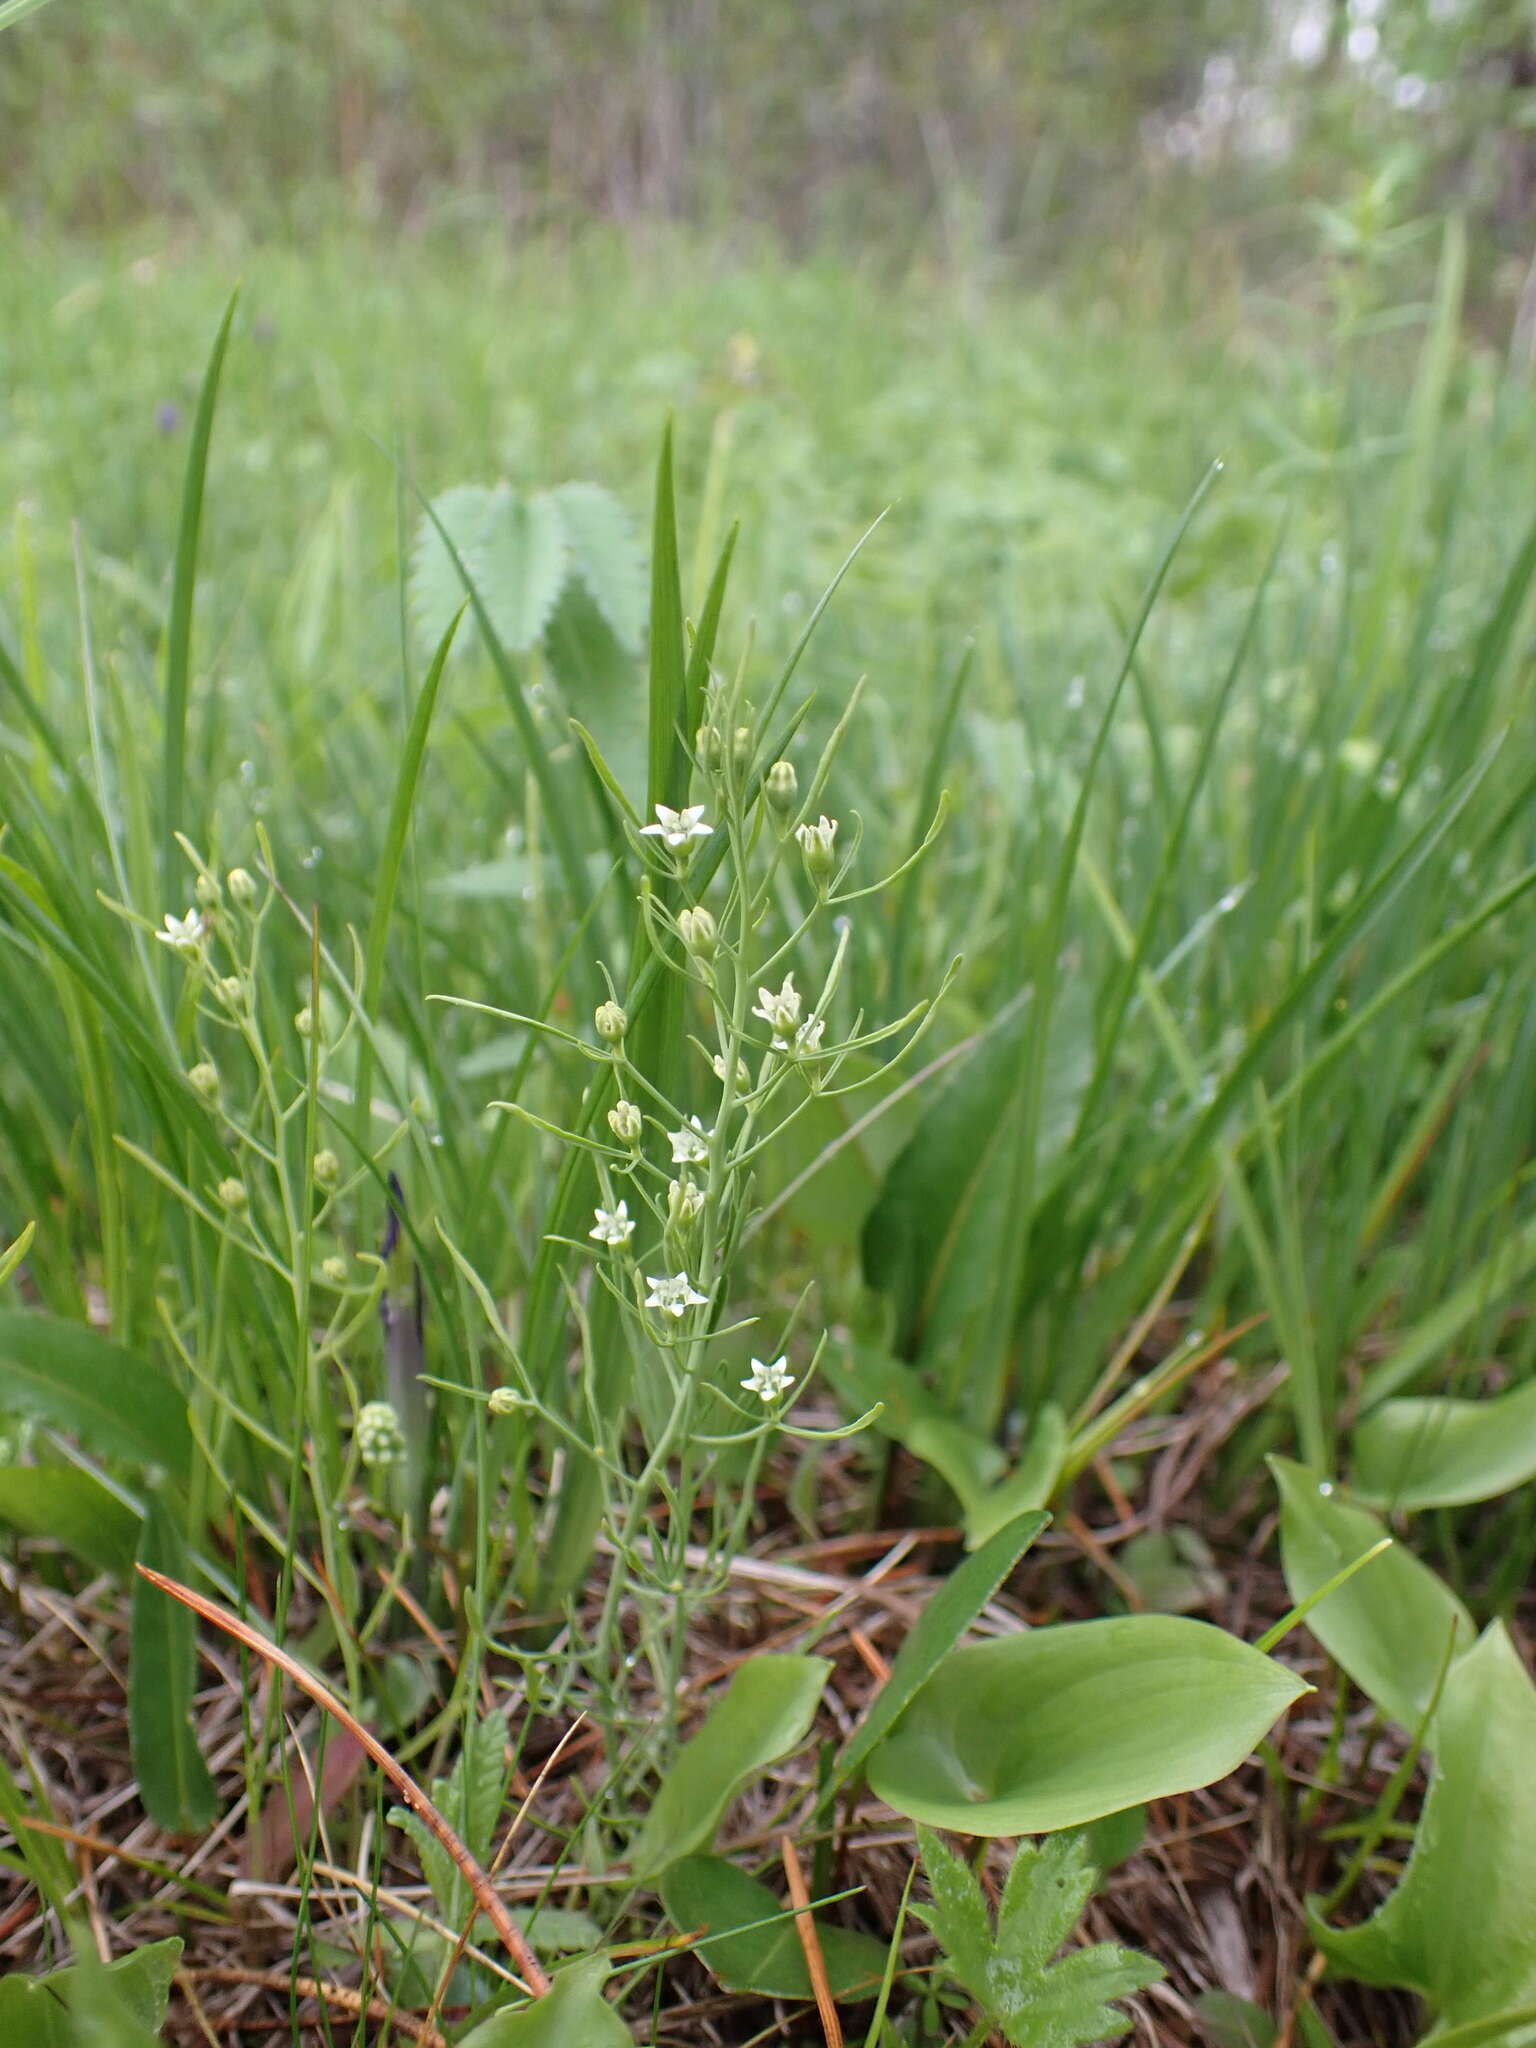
(1434, 1452)
(752, 1944)
(118, 1404)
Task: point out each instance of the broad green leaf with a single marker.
(746, 1954)
(1231, 2022)
(573, 2014)
(823, 1172)
(1388, 1626)
(1057, 1726)
(1434, 1452)
(1031, 1482)
(766, 1711)
(117, 1404)
(1458, 1927)
(1036, 2002)
(912, 1415)
(606, 555)
(174, 1784)
(122, 2003)
(939, 1627)
(933, 1243)
(70, 1508)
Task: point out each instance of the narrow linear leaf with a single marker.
(178, 1793)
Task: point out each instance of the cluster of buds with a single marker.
(379, 1438)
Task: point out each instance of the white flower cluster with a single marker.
(379, 1438)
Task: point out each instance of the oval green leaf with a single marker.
(66, 1375)
(70, 1508)
(1433, 1452)
(1458, 1928)
(766, 1711)
(1059, 1726)
(1388, 1626)
(572, 2014)
(750, 1946)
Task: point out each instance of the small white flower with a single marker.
(624, 1122)
(685, 1200)
(781, 1011)
(817, 847)
(808, 1038)
(613, 1226)
(675, 828)
(673, 1297)
(690, 1144)
(743, 1078)
(769, 1382)
(183, 934)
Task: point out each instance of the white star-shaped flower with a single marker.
(673, 1297)
(676, 828)
(613, 1226)
(780, 1012)
(685, 1201)
(808, 1038)
(769, 1382)
(690, 1144)
(183, 934)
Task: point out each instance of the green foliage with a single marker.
(119, 1404)
(1047, 1729)
(174, 1782)
(88, 2006)
(1433, 1451)
(470, 1799)
(765, 1712)
(751, 1942)
(1457, 1929)
(1391, 1625)
(573, 2015)
(1037, 2003)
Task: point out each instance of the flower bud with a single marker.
(741, 749)
(334, 1270)
(700, 934)
(708, 747)
(685, 1200)
(327, 1168)
(206, 890)
(781, 786)
(231, 990)
(304, 1021)
(204, 1078)
(232, 1193)
(611, 1023)
(242, 887)
(624, 1122)
(817, 849)
(505, 1401)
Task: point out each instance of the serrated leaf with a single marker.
(1036, 2002)
(1434, 1452)
(1388, 1626)
(436, 587)
(520, 564)
(437, 1867)
(602, 685)
(747, 1955)
(766, 1711)
(606, 554)
(118, 1404)
(572, 2014)
(1458, 1927)
(513, 549)
(479, 1783)
(178, 1793)
(1034, 1732)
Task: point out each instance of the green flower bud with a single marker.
(335, 1271)
(700, 933)
(741, 749)
(206, 890)
(232, 1193)
(611, 1022)
(327, 1168)
(505, 1401)
(242, 887)
(781, 786)
(624, 1122)
(818, 850)
(204, 1078)
(379, 1438)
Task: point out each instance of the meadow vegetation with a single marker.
(769, 1053)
